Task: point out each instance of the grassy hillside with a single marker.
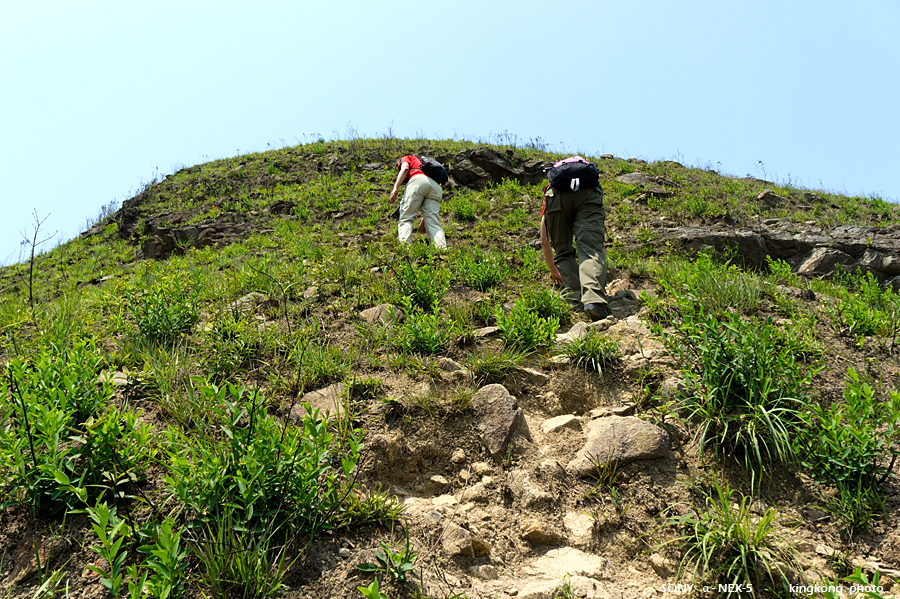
(155, 440)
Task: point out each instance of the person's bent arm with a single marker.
(401, 177)
(548, 254)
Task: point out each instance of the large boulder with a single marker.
(499, 418)
(618, 440)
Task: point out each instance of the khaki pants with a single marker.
(422, 194)
(582, 214)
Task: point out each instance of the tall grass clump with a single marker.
(592, 351)
(712, 286)
(479, 270)
(746, 388)
(494, 366)
(725, 542)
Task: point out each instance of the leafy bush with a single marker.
(113, 452)
(480, 271)
(853, 442)
(424, 285)
(422, 333)
(548, 303)
(865, 308)
(852, 446)
(592, 351)
(745, 387)
(726, 543)
(66, 376)
(228, 344)
(55, 449)
(167, 560)
(525, 329)
(462, 208)
(165, 312)
(261, 468)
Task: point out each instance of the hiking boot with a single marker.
(596, 311)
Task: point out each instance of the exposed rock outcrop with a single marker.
(809, 249)
(480, 166)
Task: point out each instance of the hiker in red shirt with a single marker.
(422, 194)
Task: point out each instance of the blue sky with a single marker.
(97, 97)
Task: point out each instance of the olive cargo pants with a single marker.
(582, 214)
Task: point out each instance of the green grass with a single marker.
(181, 416)
(747, 387)
(724, 542)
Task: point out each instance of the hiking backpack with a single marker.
(573, 174)
(434, 169)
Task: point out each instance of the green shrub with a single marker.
(547, 303)
(228, 343)
(524, 329)
(422, 333)
(865, 308)
(592, 351)
(479, 270)
(852, 446)
(854, 442)
(112, 453)
(261, 468)
(165, 312)
(67, 376)
(424, 285)
(462, 208)
(57, 448)
(727, 543)
(745, 387)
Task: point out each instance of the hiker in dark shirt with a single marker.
(579, 213)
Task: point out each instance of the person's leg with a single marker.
(559, 227)
(431, 208)
(590, 237)
(409, 207)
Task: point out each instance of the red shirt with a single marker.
(415, 166)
